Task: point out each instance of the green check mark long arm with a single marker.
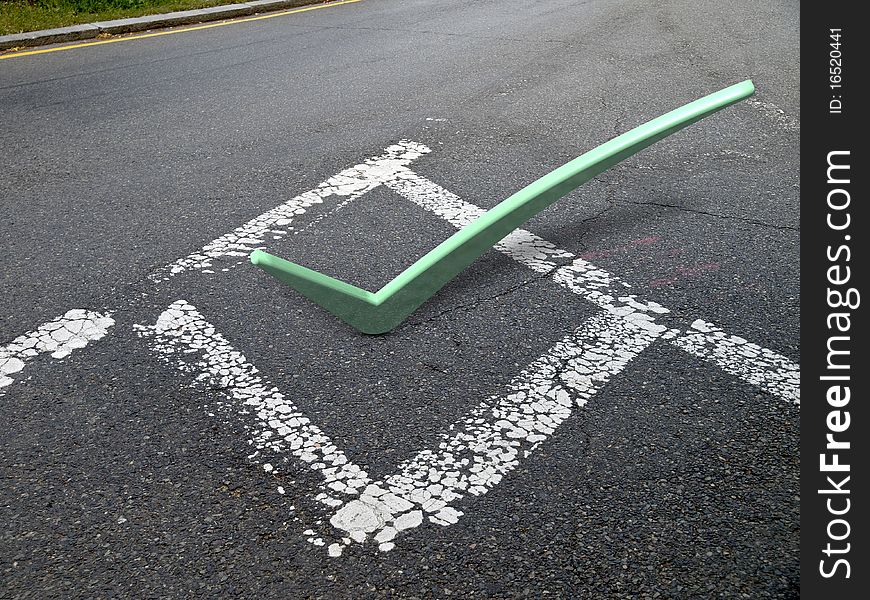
(382, 311)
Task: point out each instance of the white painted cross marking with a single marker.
(60, 337)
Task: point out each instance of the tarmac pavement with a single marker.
(203, 430)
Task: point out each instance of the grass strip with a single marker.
(18, 16)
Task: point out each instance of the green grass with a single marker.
(17, 16)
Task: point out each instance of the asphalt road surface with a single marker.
(611, 414)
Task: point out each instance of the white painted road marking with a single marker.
(750, 362)
(473, 454)
(476, 453)
(60, 336)
(184, 338)
(776, 114)
(234, 247)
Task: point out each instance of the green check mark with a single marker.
(383, 310)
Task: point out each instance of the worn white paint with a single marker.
(58, 337)
(77, 327)
(775, 373)
(750, 362)
(183, 338)
(234, 247)
(473, 455)
(775, 114)
(521, 245)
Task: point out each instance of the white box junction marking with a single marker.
(475, 453)
(59, 337)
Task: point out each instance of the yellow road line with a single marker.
(174, 31)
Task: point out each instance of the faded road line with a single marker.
(77, 327)
(60, 336)
(776, 114)
(475, 453)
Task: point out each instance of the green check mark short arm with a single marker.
(382, 311)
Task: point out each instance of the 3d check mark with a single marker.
(383, 310)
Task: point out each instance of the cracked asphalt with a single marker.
(676, 480)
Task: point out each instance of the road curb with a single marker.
(119, 26)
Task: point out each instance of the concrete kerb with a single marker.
(119, 26)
